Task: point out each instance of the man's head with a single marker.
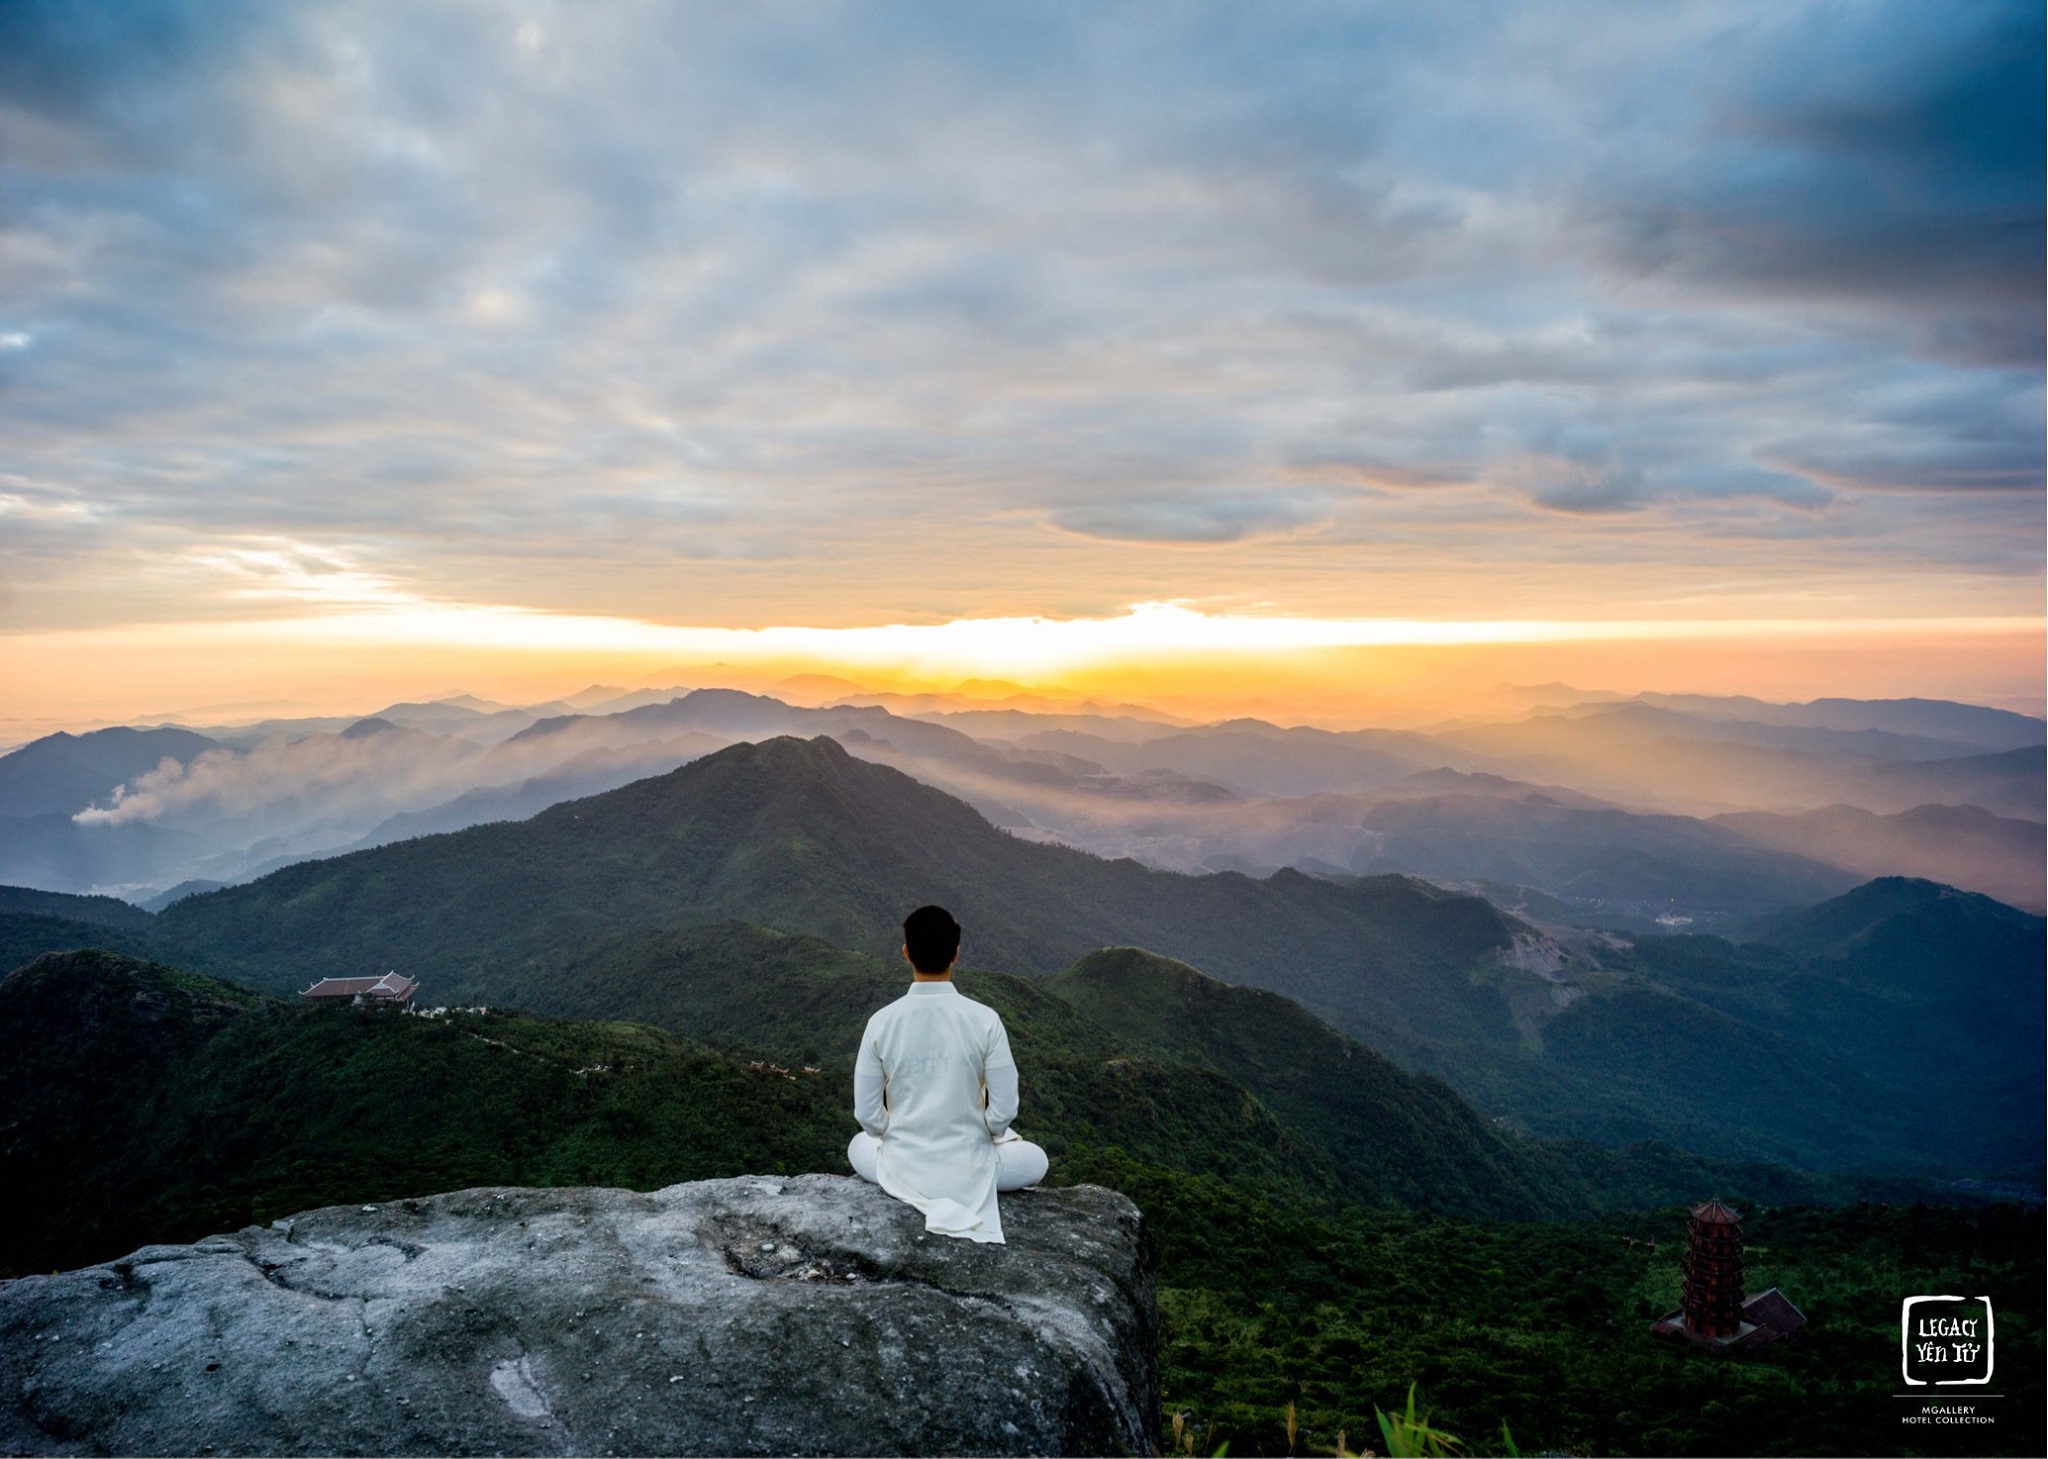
(931, 939)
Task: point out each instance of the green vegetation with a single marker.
(799, 835)
(149, 1104)
(1545, 1327)
(26, 936)
(93, 911)
(1805, 1052)
(144, 1104)
(1115, 1046)
(153, 1104)
(1812, 1049)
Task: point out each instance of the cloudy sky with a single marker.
(842, 316)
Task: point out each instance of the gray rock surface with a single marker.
(784, 1315)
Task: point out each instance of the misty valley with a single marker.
(1696, 810)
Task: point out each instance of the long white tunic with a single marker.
(935, 1085)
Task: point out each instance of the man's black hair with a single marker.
(932, 938)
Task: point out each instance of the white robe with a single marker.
(935, 1085)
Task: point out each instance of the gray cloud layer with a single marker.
(547, 302)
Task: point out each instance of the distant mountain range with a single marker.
(1962, 845)
(1622, 870)
(800, 835)
(1733, 1050)
(86, 911)
(62, 773)
(1933, 719)
(1115, 779)
(1637, 753)
(1258, 759)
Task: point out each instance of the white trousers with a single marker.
(1018, 1162)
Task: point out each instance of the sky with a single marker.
(356, 346)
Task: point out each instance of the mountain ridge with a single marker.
(152, 1103)
(802, 836)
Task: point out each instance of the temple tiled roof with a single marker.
(1773, 1311)
(391, 985)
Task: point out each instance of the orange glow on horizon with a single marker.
(1337, 670)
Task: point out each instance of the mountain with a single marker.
(1607, 867)
(148, 1102)
(234, 807)
(1411, 1137)
(35, 922)
(1616, 869)
(62, 773)
(179, 892)
(145, 1105)
(1935, 995)
(98, 911)
(1936, 719)
(2010, 783)
(1171, 797)
(1639, 754)
(631, 699)
(586, 774)
(1637, 721)
(1964, 846)
(52, 850)
(986, 775)
(1445, 781)
(275, 794)
(1254, 758)
(1916, 939)
(800, 835)
(474, 720)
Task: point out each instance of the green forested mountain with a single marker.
(1412, 1134)
(1124, 1028)
(1897, 1025)
(144, 1104)
(1913, 938)
(25, 936)
(801, 836)
(34, 922)
(106, 911)
(1790, 1055)
(147, 1102)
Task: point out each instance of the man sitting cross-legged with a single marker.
(935, 1089)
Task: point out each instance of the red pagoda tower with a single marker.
(1714, 1311)
(1713, 1271)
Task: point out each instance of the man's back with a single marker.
(935, 1084)
(935, 1048)
(935, 1089)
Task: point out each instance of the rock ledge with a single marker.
(782, 1315)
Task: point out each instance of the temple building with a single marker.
(391, 988)
(1713, 1308)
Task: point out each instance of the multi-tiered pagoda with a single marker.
(1713, 1271)
(1713, 1309)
